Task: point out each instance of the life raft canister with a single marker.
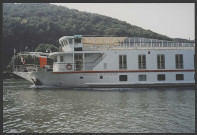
(69, 66)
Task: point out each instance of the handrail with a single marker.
(111, 45)
(137, 42)
(98, 57)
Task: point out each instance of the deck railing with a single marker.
(32, 67)
(140, 43)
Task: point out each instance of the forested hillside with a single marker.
(30, 24)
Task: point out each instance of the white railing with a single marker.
(140, 43)
(32, 67)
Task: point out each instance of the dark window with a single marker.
(160, 61)
(179, 61)
(123, 77)
(70, 41)
(142, 61)
(161, 77)
(122, 62)
(55, 59)
(78, 57)
(142, 77)
(77, 40)
(179, 77)
(101, 77)
(81, 77)
(78, 49)
(61, 58)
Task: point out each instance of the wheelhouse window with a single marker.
(61, 58)
(160, 61)
(142, 61)
(161, 77)
(77, 40)
(179, 61)
(55, 59)
(122, 62)
(123, 78)
(142, 77)
(179, 77)
(70, 41)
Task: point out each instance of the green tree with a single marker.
(46, 47)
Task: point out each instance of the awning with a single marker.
(43, 61)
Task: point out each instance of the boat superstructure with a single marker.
(113, 62)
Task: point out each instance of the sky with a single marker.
(176, 20)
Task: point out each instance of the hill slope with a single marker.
(30, 24)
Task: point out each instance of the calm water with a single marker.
(28, 110)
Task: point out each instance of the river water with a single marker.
(131, 110)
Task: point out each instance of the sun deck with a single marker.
(114, 43)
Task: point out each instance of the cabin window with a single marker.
(142, 77)
(123, 78)
(77, 40)
(61, 59)
(101, 77)
(122, 62)
(179, 77)
(142, 61)
(160, 61)
(179, 61)
(78, 58)
(161, 77)
(81, 77)
(70, 41)
(55, 59)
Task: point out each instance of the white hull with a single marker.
(111, 79)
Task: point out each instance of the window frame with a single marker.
(141, 61)
(178, 78)
(61, 58)
(159, 75)
(55, 59)
(160, 61)
(122, 62)
(142, 77)
(179, 61)
(122, 79)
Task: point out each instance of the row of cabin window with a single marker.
(142, 61)
(160, 77)
(77, 57)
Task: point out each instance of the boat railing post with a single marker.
(83, 62)
(106, 44)
(140, 42)
(162, 43)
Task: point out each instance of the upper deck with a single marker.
(112, 43)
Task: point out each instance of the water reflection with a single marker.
(78, 110)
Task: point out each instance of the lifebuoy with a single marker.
(69, 66)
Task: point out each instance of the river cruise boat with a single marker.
(112, 62)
